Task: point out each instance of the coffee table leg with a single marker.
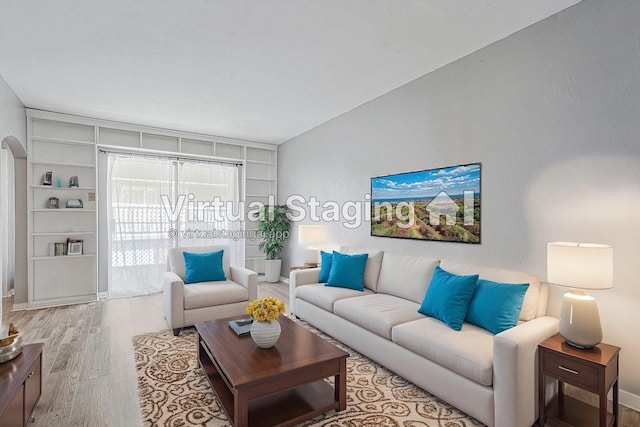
(240, 410)
(341, 386)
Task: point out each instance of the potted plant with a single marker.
(273, 224)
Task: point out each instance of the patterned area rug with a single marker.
(175, 392)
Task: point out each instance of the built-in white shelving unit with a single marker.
(68, 146)
(63, 150)
(260, 183)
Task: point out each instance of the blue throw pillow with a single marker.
(325, 266)
(448, 297)
(496, 306)
(347, 271)
(205, 267)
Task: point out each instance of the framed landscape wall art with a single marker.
(437, 204)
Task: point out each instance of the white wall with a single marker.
(552, 113)
(13, 132)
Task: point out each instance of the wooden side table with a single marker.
(20, 386)
(594, 370)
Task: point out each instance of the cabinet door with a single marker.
(32, 388)
(13, 416)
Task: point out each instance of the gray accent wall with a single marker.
(552, 113)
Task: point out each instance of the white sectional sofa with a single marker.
(490, 377)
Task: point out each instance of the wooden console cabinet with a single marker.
(20, 386)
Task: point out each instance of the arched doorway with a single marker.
(12, 171)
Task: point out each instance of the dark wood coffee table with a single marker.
(280, 386)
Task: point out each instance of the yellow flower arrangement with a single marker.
(265, 309)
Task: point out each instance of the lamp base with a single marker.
(579, 346)
(580, 320)
(311, 256)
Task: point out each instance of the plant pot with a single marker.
(272, 270)
(265, 334)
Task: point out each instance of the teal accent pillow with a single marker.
(347, 271)
(325, 266)
(448, 297)
(496, 306)
(205, 267)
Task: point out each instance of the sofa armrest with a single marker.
(515, 371)
(173, 299)
(304, 276)
(247, 278)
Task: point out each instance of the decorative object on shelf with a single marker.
(74, 247)
(273, 224)
(311, 235)
(437, 204)
(265, 329)
(47, 178)
(74, 203)
(11, 344)
(58, 183)
(53, 203)
(73, 182)
(580, 266)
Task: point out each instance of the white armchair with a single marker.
(186, 305)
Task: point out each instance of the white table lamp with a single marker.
(580, 266)
(311, 235)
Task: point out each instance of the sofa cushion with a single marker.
(208, 294)
(347, 271)
(206, 267)
(325, 296)
(468, 352)
(448, 297)
(372, 269)
(496, 306)
(377, 313)
(175, 259)
(529, 304)
(405, 276)
(325, 266)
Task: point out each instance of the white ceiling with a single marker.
(261, 70)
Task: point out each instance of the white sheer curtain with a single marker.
(156, 204)
(210, 214)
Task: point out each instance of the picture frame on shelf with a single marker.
(74, 247)
(74, 204)
(47, 178)
(73, 182)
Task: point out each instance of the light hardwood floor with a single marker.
(89, 376)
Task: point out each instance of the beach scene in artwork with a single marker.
(436, 204)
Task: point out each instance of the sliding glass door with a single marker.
(158, 203)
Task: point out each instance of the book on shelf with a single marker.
(57, 249)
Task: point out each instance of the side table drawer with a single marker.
(571, 371)
(32, 387)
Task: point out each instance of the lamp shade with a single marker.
(312, 234)
(580, 265)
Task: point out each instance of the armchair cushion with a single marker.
(204, 267)
(208, 294)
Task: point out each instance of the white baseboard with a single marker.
(284, 280)
(20, 306)
(629, 400)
